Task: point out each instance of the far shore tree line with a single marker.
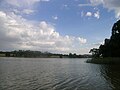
(39, 54)
(111, 47)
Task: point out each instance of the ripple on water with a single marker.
(57, 74)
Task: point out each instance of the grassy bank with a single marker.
(109, 60)
(2, 55)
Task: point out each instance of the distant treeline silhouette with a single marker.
(111, 47)
(39, 54)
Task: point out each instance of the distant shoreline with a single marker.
(39, 54)
(44, 57)
(107, 60)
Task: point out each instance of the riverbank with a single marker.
(40, 54)
(108, 60)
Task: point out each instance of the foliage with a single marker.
(39, 54)
(111, 47)
(95, 52)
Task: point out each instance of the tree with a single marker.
(95, 52)
(116, 28)
(111, 47)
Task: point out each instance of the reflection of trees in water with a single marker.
(112, 75)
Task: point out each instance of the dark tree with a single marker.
(111, 47)
(95, 52)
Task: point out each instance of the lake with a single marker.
(57, 74)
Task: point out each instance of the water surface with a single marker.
(57, 74)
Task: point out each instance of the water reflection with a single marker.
(111, 74)
(57, 74)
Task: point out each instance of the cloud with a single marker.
(82, 40)
(91, 3)
(109, 4)
(96, 2)
(24, 3)
(21, 6)
(98, 44)
(113, 5)
(23, 11)
(97, 15)
(55, 17)
(89, 14)
(84, 5)
(28, 11)
(19, 33)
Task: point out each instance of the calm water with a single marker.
(57, 74)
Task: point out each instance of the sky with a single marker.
(57, 26)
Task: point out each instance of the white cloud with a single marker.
(109, 4)
(84, 5)
(92, 3)
(21, 6)
(89, 14)
(96, 2)
(23, 11)
(24, 3)
(82, 40)
(28, 11)
(55, 17)
(113, 5)
(19, 33)
(97, 15)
